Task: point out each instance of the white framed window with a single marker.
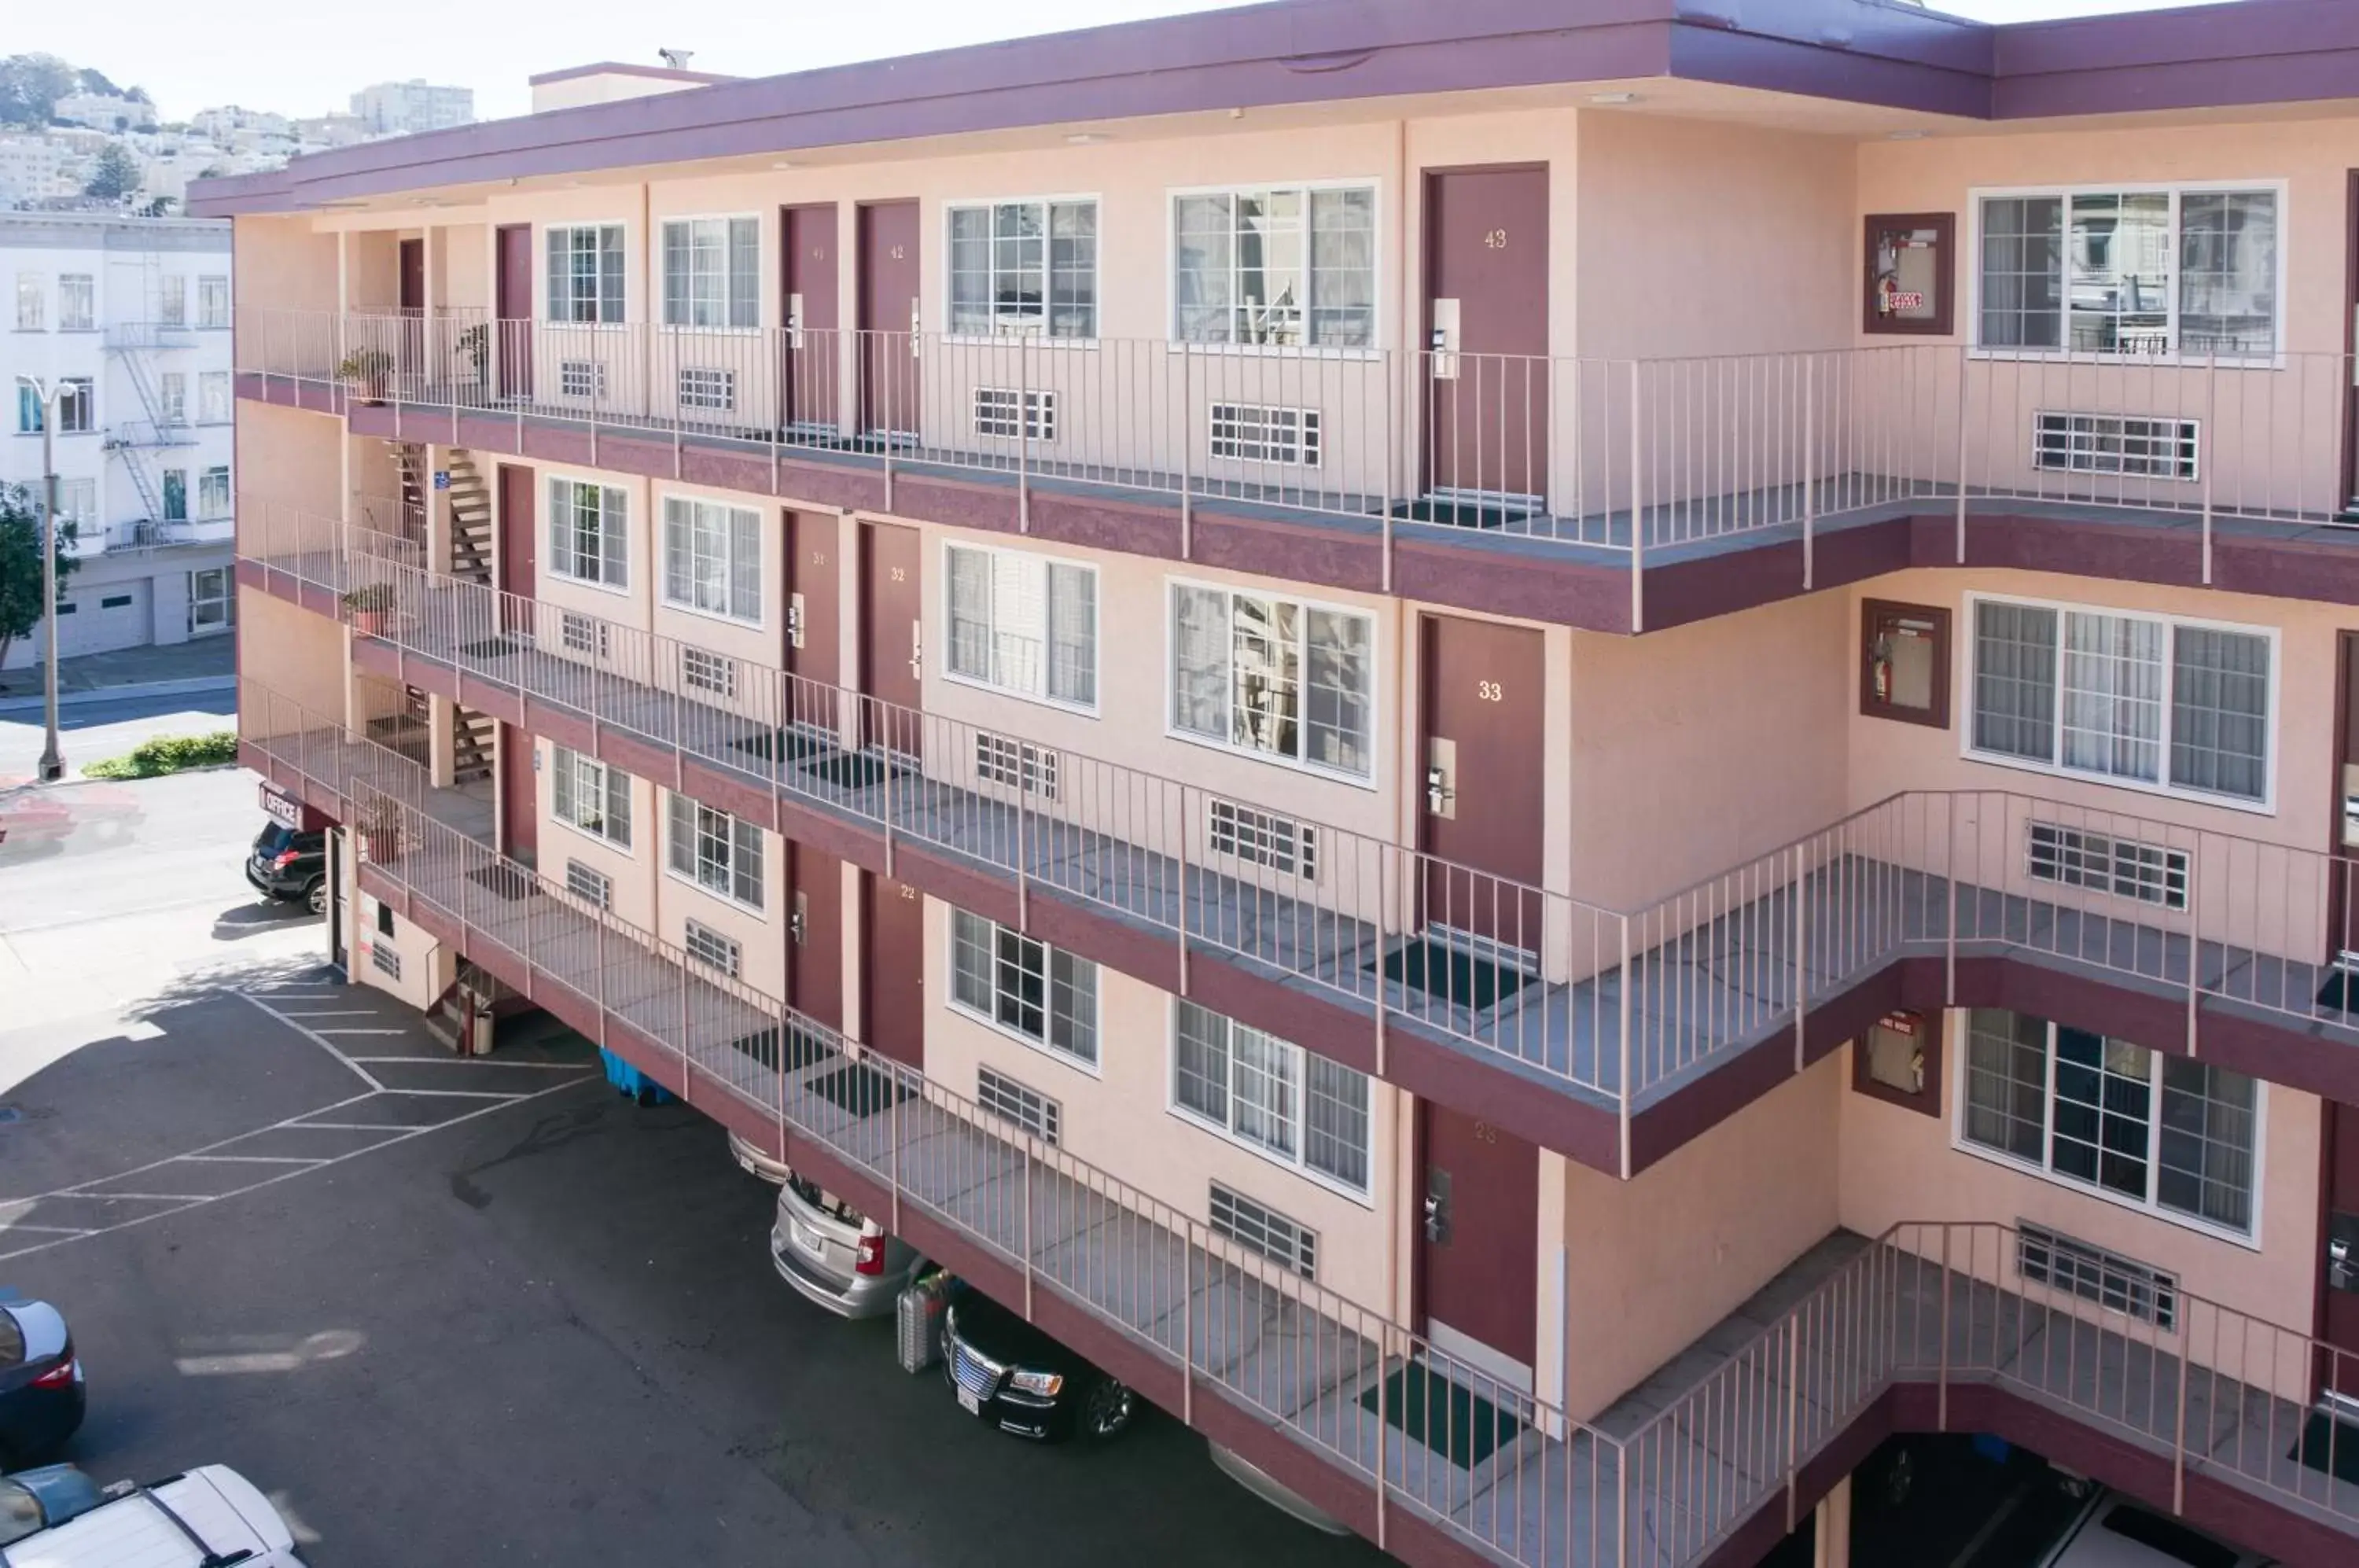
(78, 501)
(1279, 678)
(712, 558)
(77, 302)
(77, 414)
(1299, 1110)
(588, 884)
(711, 272)
(1285, 265)
(212, 300)
(2174, 706)
(212, 491)
(212, 397)
(589, 532)
(32, 302)
(1024, 268)
(172, 397)
(711, 948)
(1023, 623)
(172, 299)
(2190, 272)
(719, 852)
(587, 794)
(586, 273)
(176, 494)
(2174, 1137)
(1040, 995)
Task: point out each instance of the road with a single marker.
(113, 893)
(89, 732)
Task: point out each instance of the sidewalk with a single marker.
(205, 664)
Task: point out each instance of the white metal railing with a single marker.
(1620, 1005)
(1624, 455)
(1939, 1303)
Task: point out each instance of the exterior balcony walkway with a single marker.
(1931, 1326)
(1645, 1027)
(1613, 495)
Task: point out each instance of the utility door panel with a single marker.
(889, 324)
(519, 529)
(808, 279)
(893, 969)
(892, 633)
(1478, 1256)
(815, 933)
(1482, 697)
(513, 304)
(1486, 382)
(519, 803)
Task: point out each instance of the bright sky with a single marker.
(307, 58)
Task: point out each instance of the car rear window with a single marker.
(20, 1513)
(12, 1341)
(275, 837)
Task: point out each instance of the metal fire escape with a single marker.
(138, 348)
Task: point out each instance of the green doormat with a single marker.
(1449, 972)
(1456, 1422)
(2329, 1446)
(1460, 514)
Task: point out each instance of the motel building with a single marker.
(1555, 758)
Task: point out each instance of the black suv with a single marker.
(289, 864)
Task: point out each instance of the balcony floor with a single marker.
(1705, 1438)
(1697, 997)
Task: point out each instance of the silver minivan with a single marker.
(836, 1257)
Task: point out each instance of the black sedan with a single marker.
(40, 1381)
(289, 864)
(1008, 1372)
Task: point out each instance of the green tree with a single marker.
(30, 86)
(115, 175)
(20, 563)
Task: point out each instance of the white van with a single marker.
(210, 1516)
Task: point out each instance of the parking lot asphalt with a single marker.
(451, 1312)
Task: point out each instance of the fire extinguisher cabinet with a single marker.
(918, 1317)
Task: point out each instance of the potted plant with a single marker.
(474, 345)
(380, 829)
(369, 606)
(365, 371)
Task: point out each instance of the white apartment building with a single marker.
(134, 315)
(105, 112)
(401, 108)
(35, 167)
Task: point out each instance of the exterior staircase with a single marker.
(473, 736)
(471, 519)
(464, 1016)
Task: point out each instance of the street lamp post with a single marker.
(53, 762)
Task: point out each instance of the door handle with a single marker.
(917, 650)
(1445, 339)
(1439, 795)
(794, 321)
(799, 923)
(2341, 1268)
(1436, 1218)
(914, 329)
(795, 620)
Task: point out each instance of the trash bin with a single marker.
(918, 1318)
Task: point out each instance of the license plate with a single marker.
(969, 1403)
(811, 1241)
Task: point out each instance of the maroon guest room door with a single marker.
(1483, 696)
(815, 934)
(513, 304)
(518, 538)
(808, 279)
(413, 307)
(1478, 1249)
(892, 632)
(519, 803)
(814, 626)
(2338, 1276)
(890, 324)
(1486, 376)
(893, 969)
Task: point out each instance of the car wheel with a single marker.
(316, 896)
(1109, 1410)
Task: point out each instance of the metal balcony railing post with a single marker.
(2207, 450)
(1180, 911)
(2179, 1437)
(1637, 509)
(1391, 446)
(1023, 459)
(1801, 948)
(1027, 1235)
(896, 1138)
(1023, 847)
(600, 926)
(1187, 454)
(1941, 1388)
(1965, 384)
(1384, 1427)
(2194, 945)
(1809, 468)
(1793, 1416)
(1622, 1089)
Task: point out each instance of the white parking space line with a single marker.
(61, 1236)
(251, 1158)
(454, 1094)
(320, 1040)
(332, 1013)
(151, 1197)
(345, 1028)
(8, 1225)
(476, 1064)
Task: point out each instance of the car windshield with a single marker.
(20, 1513)
(12, 1340)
